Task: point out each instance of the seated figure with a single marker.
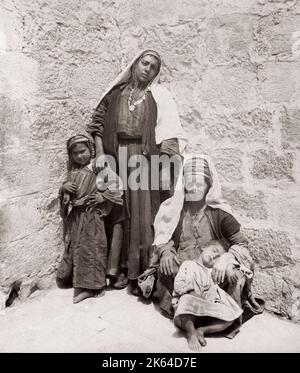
(194, 216)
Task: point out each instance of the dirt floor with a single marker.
(49, 322)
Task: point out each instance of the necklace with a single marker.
(132, 105)
(196, 217)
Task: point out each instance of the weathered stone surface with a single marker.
(290, 127)
(249, 126)
(229, 164)
(226, 85)
(275, 34)
(251, 205)
(267, 164)
(289, 210)
(233, 67)
(269, 248)
(229, 39)
(278, 80)
(4, 294)
(274, 286)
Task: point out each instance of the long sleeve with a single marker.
(96, 126)
(230, 229)
(184, 279)
(168, 247)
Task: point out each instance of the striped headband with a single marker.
(197, 166)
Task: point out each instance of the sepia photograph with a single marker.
(150, 179)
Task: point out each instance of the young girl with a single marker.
(201, 306)
(83, 209)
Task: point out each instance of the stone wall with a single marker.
(233, 66)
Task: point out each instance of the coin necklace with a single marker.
(196, 218)
(132, 105)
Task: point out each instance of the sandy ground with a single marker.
(49, 322)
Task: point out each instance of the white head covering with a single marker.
(168, 123)
(168, 215)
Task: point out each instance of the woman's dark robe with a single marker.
(115, 124)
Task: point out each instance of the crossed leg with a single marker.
(214, 326)
(195, 336)
(187, 323)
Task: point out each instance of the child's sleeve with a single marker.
(183, 282)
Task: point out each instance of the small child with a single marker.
(201, 306)
(83, 209)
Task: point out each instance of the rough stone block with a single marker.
(42, 248)
(55, 121)
(290, 127)
(289, 209)
(274, 287)
(162, 11)
(228, 86)
(278, 81)
(229, 38)
(240, 126)
(229, 164)
(22, 220)
(269, 248)
(16, 80)
(274, 33)
(15, 122)
(269, 165)
(251, 205)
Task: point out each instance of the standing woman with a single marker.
(139, 116)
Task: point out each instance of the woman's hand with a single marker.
(219, 269)
(218, 272)
(95, 200)
(169, 263)
(232, 274)
(70, 187)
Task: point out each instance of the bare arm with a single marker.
(98, 145)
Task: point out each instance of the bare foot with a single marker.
(83, 295)
(99, 293)
(193, 342)
(200, 337)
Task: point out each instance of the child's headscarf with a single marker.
(78, 139)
